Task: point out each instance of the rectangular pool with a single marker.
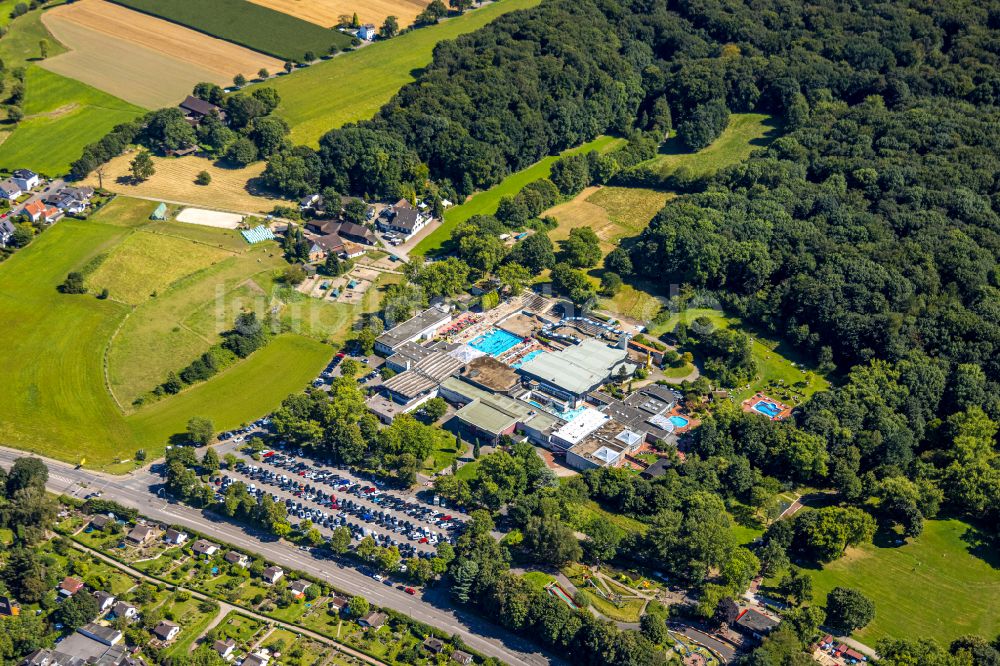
(495, 342)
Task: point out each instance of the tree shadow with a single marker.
(983, 544)
(775, 127)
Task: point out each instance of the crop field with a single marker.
(230, 189)
(485, 203)
(360, 82)
(57, 400)
(248, 24)
(745, 133)
(140, 58)
(931, 587)
(327, 13)
(612, 212)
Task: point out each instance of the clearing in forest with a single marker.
(142, 59)
(327, 13)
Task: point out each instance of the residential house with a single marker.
(224, 648)
(299, 587)
(205, 548)
(433, 644)
(7, 230)
(257, 659)
(166, 631)
(104, 600)
(70, 586)
(195, 109)
(657, 469)
(104, 635)
(175, 537)
(755, 624)
(239, 559)
(26, 179)
(367, 32)
(460, 657)
(140, 534)
(100, 521)
(404, 220)
(10, 190)
(9, 607)
(373, 620)
(272, 574)
(124, 609)
(340, 603)
(356, 233)
(39, 211)
(70, 200)
(326, 245)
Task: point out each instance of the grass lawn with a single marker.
(61, 115)
(932, 587)
(538, 579)
(779, 367)
(485, 203)
(444, 452)
(467, 471)
(239, 627)
(56, 399)
(193, 624)
(362, 81)
(746, 132)
(583, 513)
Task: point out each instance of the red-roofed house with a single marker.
(39, 210)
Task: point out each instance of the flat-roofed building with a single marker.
(575, 371)
(574, 432)
(409, 389)
(607, 446)
(421, 326)
(490, 374)
(407, 355)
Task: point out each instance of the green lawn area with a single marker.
(539, 579)
(779, 367)
(444, 452)
(193, 623)
(583, 513)
(61, 115)
(360, 82)
(485, 203)
(239, 627)
(56, 398)
(932, 587)
(467, 471)
(746, 132)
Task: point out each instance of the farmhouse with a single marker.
(166, 631)
(6, 232)
(38, 211)
(195, 109)
(10, 190)
(421, 326)
(356, 233)
(174, 537)
(326, 245)
(205, 548)
(26, 179)
(403, 219)
(367, 32)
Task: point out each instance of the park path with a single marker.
(225, 608)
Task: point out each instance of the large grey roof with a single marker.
(413, 326)
(424, 375)
(578, 368)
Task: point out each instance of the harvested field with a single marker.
(174, 182)
(327, 12)
(242, 22)
(140, 58)
(210, 218)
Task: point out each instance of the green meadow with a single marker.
(485, 202)
(931, 587)
(353, 86)
(71, 348)
(61, 115)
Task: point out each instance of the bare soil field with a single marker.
(209, 218)
(142, 59)
(174, 182)
(327, 12)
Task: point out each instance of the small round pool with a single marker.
(679, 421)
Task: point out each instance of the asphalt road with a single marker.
(139, 490)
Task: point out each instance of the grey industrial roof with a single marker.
(578, 368)
(424, 375)
(409, 353)
(413, 327)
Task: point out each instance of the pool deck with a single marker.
(749, 403)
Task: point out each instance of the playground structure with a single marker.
(557, 591)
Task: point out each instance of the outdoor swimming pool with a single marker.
(679, 421)
(527, 357)
(495, 342)
(768, 409)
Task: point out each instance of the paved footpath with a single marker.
(140, 490)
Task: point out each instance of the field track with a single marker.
(140, 58)
(327, 12)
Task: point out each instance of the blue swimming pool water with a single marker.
(679, 421)
(527, 357)
(567, 415)
(495, 342)
(768, 409)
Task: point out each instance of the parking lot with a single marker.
(331, 497)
